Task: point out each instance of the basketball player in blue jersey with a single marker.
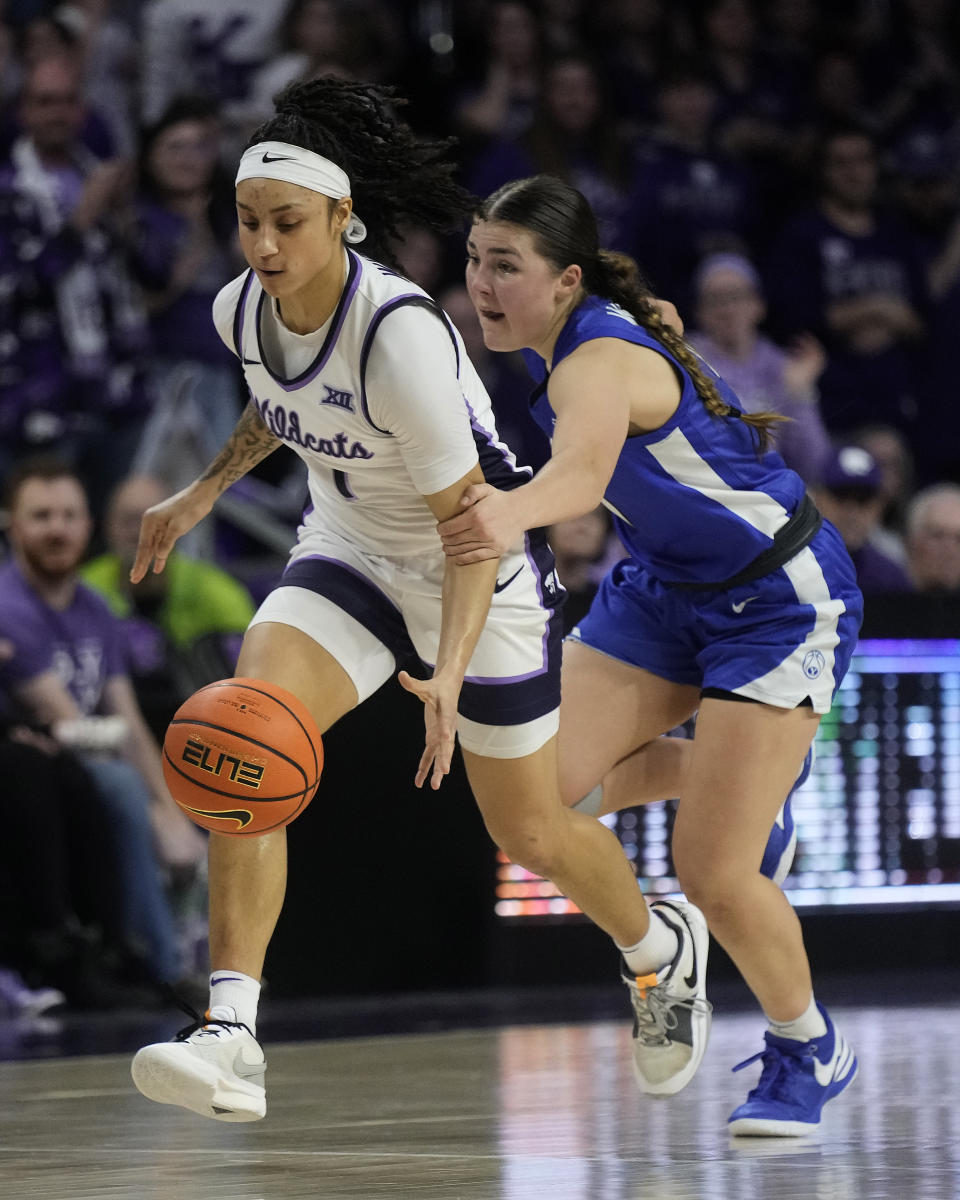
(736, 601)
(359, 372)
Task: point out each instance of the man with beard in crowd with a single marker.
(67, 674)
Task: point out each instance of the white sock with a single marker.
(655, 950)
(234, 997)
(809, 1025)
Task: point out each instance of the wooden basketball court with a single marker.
(511, 1113)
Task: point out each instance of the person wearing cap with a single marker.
(362, 374)
(730, 307)
(850, 495)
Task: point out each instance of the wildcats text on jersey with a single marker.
(286, 426)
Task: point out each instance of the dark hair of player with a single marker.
(396, 177)
(565, 232)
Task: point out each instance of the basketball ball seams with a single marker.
(241, 796)
(276, 700)
(233, 733)
(232, 747)
(276, 825)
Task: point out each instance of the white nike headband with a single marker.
(293, 164)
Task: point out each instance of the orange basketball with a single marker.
(242, 757)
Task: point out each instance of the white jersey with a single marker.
(381, 403)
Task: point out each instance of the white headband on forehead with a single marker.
(293, 164)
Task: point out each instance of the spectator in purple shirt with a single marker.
(67, 672)
(74, 328)
(184, 251)
(849, 275)
(61, 939)
(209, 48)
(850, 496)
(758, 99)
(501, 102)
(574, 134)
(729, 309)
(688, 200)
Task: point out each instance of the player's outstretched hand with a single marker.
(439, 696)
(163, 524)
(487, 528)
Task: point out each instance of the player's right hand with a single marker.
(439, 695)
(163, 524)
(487, 528)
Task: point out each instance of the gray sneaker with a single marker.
(214, 1069)
(671, 1012)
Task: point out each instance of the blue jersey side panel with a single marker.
(692, 501)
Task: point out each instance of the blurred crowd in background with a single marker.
(785, 171)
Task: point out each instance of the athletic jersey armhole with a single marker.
(412, 301)
(228, 310)
(680, 374)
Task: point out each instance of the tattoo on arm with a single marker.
(250, 443)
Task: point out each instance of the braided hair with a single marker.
(395, 176)
(565, 232)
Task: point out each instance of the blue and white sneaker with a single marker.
(782, 843)
(797, 1080)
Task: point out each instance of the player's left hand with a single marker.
(488, 528)
(439, 695)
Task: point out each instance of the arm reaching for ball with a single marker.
(250, 443)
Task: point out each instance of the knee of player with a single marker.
(536, 850)
(715, 888)
(718, 894)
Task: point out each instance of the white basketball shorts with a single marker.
(375, 615)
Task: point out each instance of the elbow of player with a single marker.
(594, 485)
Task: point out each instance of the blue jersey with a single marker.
(692, 501)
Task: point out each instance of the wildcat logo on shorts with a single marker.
(241, 770)
(813, 663)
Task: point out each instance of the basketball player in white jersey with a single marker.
(359, 372)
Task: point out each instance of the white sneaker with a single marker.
(671, 1012)
(213, 1069)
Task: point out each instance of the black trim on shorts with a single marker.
(512, 702)
(714, 693)
(360, 599)
(519, 700)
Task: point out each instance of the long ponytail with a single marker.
(617, 277)
(565, 230)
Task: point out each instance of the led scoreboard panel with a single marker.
(878, 821)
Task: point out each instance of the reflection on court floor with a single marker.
(520, 1113)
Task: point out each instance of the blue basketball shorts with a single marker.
(780, 639)
(375, 614)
